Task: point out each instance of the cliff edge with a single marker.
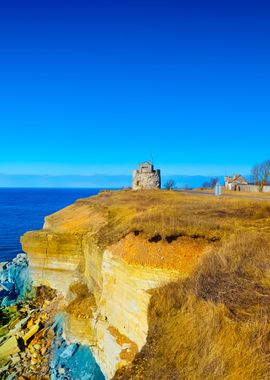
(109, 255)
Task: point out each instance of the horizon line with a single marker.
(113, 175)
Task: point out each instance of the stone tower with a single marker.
(146, 177)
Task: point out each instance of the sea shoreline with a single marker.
(32, 345)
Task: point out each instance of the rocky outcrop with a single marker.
(26, 337)
(54, 259)
(113, 277)
(32, 345)
(14, 280)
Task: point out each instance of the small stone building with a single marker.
(239, 183)
(146, 177)
(235, 182)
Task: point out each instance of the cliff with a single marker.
(109, 255)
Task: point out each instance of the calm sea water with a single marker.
(22, 210)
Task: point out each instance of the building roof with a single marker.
(236, 178)
(146, 163)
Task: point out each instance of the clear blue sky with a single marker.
(97, 86)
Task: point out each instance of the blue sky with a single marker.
(91, 87)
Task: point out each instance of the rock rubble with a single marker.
(26, 350)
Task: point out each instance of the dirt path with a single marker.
(233, 195)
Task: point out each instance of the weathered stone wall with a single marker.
(249, 188)
(253, 188)
(266, 189)
(146, 180)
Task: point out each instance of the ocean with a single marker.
(24, 209)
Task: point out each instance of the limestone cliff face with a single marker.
(112, 315)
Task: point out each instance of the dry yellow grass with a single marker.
(160, 214)
(247, 193)
(214, 325)
(235, 193)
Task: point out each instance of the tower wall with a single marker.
(143, 180)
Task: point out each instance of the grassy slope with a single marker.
(215, 324)
(113, 214)
(170, 213)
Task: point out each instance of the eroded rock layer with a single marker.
(113, 275)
